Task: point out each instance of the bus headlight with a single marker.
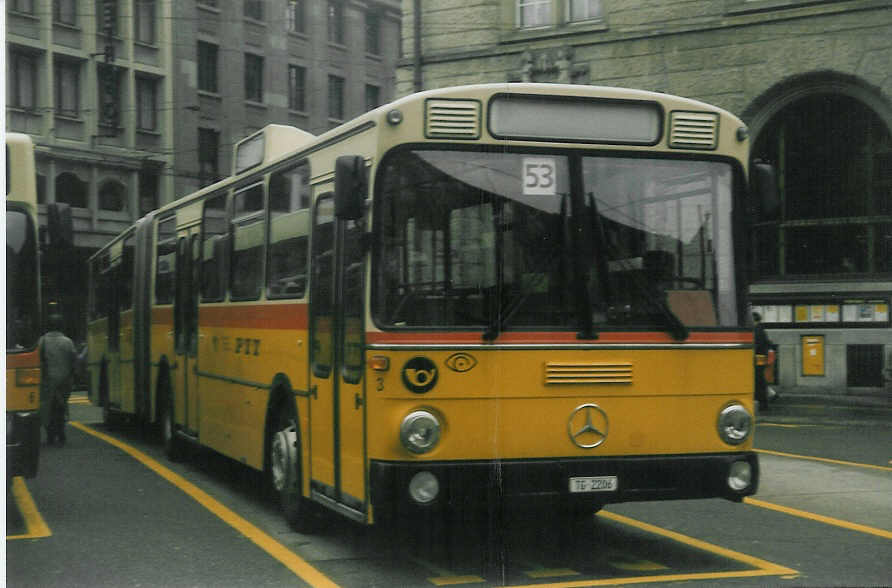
(420, 431)
(735, 424)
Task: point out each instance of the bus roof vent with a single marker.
(452, 119)
(694, 130)
(559, 372)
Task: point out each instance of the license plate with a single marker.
(594, 484)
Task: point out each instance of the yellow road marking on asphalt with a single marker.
(445, 577)
(455, 580)
(820, 518)
(825, 460)
(289, 559)
(34, 523)
(629, 563)
(764, 568)
(551, 573)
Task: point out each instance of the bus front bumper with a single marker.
(22, 443)
(546, 483)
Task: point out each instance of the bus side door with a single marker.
(337, 410)
(185, 312)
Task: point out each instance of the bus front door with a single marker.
(185, 312)
(337, 412)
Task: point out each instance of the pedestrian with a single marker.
(764, 348)
(57, 362)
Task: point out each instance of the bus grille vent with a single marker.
(694, 130)
(587, 373)
(454, 119)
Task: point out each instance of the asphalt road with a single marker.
(109, 510)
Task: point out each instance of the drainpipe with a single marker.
(417, 34)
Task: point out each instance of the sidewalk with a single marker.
(810, 405)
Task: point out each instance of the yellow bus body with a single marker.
(248, 382)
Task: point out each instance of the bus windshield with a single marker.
(21, 282)
(559, 241)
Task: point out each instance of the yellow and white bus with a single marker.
(23, 310)
(523, 293)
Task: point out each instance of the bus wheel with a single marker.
(284, 472)
(173, 445)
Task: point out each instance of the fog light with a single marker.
(735, 424)
(424, 487)
(740, 476)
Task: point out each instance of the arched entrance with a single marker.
(833, 155)
(823, 264)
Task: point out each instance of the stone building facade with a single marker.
(813, 81)
(134, 103)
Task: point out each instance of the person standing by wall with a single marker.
(764, 355)
(57, 361)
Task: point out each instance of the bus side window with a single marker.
(214, 251)
(289, 229)
(165, 260)
(248, 239)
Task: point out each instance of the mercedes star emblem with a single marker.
(587, 426)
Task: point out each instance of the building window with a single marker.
(111, 196)
(296, 22)
(148, 191)
(71, 190)
(253, 9)
(297, 88)
(373, 32)
(253, 77)
(207, 67)
(208, 156)
(146, 103)
(581, 10)
(22, 80)
(145, 21)
(534, 13)
(336, 22)
(336, 98)
(22, 6)
(372, 97)
(67, 80)
(65, 12)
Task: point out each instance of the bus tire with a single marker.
(283, 446)
(173, 445)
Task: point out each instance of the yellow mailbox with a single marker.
(812, 355)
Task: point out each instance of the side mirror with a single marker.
(351, 187)
(764, 188)
(59, 224)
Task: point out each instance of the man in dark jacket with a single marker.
(57, 361)
(763, 347)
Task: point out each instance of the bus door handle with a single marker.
(357, 400)
(313, 391)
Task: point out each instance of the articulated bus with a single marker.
(23, 310)
(511, 294)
